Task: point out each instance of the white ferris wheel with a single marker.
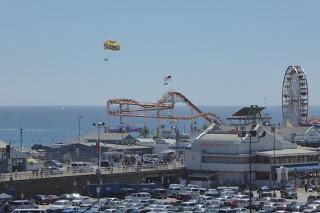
(294, 96)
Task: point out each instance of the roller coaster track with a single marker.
(179, 97)
(130, 108)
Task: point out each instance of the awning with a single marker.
(300, 167)
(304, 168)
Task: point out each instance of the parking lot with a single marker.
(176, 198)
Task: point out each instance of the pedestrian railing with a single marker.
(4, 177)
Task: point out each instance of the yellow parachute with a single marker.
(111, 45)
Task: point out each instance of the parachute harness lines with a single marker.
(111, 45)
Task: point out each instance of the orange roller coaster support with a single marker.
(123, 107)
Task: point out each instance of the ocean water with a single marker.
(52, 124)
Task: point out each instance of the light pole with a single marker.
(98, 125)
(273, 130)
(21, 130)
(79, 127)
(251, 133)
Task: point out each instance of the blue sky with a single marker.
(218, 52)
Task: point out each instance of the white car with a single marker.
(188, 206)
(205, 199)
(80, 167)
(270, 206)
(193, 191)
(140, 196)
(192, 186)
(174, 190)
(61, 203)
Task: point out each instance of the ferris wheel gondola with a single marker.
(295, 96)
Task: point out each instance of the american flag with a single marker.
(167, 78)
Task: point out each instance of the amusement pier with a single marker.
(246, 150)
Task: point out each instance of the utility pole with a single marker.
(273, 130)
(250, 171)
(21, 130)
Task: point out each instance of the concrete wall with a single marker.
(71, 184)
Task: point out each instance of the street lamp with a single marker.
(251, 133)
(273, 130)
(79, 127)
(98, 125)
(21, 130)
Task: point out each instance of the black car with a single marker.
(264, 189)
(40, 199)
(312, 198)
(257, 205)
(159, 193)
(289, 194)
(105, 164)
(297, 207)
(124, 192)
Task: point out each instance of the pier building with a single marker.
(221, 155)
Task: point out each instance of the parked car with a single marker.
(271, 206)
(80, 167)
(311, 198)
(52, 198)
(297, 207)
(289, 193)
(227, 210)
(66, 197)
(265, 194)
(53, 163)
(257, 205)
(124, 192)
(263, 189)
(189, 205)
(29, 210)
(105, 164)
(174, 190)
(311, 208)
(22, 204)
(202, 191)
(278, 200)
(183, 197)
(55, 171)
(139, 196)
(206, 200)
(40, 199)
(62, 203)
(158, 193)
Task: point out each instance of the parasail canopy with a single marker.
(111, 45)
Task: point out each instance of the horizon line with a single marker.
(84, 105)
